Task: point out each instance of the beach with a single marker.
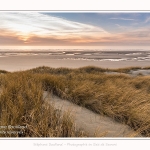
(17, 61)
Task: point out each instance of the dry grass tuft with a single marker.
(125, 99)
(121, 97)
(21, 104)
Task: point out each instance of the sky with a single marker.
(74, 29)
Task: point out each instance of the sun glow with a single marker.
(26, 25)
(25, 38)
(37, 28)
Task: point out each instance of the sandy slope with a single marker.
(89, 121)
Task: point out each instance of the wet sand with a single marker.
(18, 63)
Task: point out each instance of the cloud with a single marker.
(128, 19)
(34, 28)
(26, 26)
(140, 33)
(45, 25)
(121, 27)
(147, 20)
(9, 38)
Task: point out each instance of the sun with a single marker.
(25, 38)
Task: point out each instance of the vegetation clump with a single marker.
(124, 98)
(23, 112)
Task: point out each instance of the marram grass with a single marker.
(21, 104)
(124, 98)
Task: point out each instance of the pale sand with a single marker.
(89, 121)
(141, 72)
(18, 63)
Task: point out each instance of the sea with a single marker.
(87, 53)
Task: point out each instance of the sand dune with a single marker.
(90, 122)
